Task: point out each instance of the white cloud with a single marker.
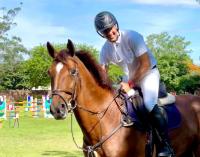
(167, 2)
(35, 32)
(151, 22)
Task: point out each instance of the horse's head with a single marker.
(64, 76)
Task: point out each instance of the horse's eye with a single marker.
(73, 72)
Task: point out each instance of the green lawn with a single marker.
(39, 137)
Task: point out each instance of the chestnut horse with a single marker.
(80, 86)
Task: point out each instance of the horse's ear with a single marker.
(51, 50)
(70, 47)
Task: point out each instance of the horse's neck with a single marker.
(96, 99)
(92, 97)
(90, 94)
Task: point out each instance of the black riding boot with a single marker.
(159, 122)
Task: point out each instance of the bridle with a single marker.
(71, 105)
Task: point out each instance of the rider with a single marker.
(128, 50)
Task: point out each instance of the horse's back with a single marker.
(189, 105)
(188, 133)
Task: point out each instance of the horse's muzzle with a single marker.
(59, 112)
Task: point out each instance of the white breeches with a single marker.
(150, 86)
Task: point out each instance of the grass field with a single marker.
(39, 137)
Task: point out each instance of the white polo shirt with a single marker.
(123, 52)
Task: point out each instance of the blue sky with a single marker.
(40, 21)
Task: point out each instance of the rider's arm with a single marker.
(140, 49)
(144, 66)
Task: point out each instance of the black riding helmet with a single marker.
(103, 21)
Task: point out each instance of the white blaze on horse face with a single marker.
(59, 67)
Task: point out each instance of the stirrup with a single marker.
(126, 121)
(165, 154)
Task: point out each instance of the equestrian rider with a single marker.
(128, 50)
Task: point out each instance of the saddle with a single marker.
(136, 114)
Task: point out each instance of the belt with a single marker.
(155, 66)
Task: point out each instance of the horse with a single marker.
(79, 85)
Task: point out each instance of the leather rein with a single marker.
(71, 105)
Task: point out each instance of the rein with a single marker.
(90, 149)
(71, 105)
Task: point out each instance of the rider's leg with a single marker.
(150, 86)
(159, 122)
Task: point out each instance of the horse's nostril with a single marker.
(58, 111)
(61, 109)
(63, 106)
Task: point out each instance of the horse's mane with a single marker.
(91, 64)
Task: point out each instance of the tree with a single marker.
(173, 58)
(189, 83)
(11, 50)
(34, 70)
(193, 68)
(115, 73)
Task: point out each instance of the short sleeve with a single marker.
(137, 43)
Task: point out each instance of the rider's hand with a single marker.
(127, 89)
